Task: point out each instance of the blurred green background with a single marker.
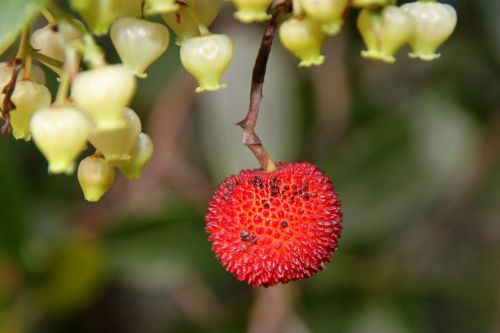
(412, 148)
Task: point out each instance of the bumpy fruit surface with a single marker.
(28, 97)
(207, 58)
(269, 228)
(116, 144)
(140, 155)
(434, 24)
(95, 176)
(304, 38)
(139, 42)
(252, 10)
(384, 32)
(103, 92)
(60, 134)
(328, 12)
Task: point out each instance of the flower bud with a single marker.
(140, 155)
(154, 7)
(434, 24)
(207, 58)
(304, 38)
(95, 176)
(103, 92)
(28, 97)
(139, 42)
(252, 10)
(384, 31)
(116, 144)
(182, 24)
(327, 12)
(99, 14)
(60, 134)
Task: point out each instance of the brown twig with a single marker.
(250, 138)
(7, 105)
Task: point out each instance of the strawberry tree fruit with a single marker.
(434, 24)
(329, 13)
(138, 42)
(252, 10)
(274, 227)
(36, 75)
(60, 133)
(304, 38)
(28, 97)
(130, 8)
(207, 58)
(103, 93)
(372, 3)
(140, 155)
(115, 144)
(95, 176)
(384, 31)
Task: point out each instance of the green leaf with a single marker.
(14, 15)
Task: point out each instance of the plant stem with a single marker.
(250, 138)
(24, 43)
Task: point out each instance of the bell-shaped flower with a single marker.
(434, 24)
(329, 13)
(207, 58)
(138, 42)
(103, 92)
(60, 133)
(96, 177)
(115, 144)
(140, 155)
(304, 38)
(252, 10)
(384, 31)
(28, 97)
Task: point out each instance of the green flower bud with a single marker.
(116, 144)
(99, 14)
(28, 97)
(434, 24)
(95, 176)
(182, 24)
(154, 7)
(140, 155)
(207, 58)
(303, 37)
(252, 10)
(139, 42)
(103, 92)
(384, 31)
(60, 134)
(327, 12)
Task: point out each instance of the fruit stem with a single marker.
(48, 16)
(24, 43)
(250, 138)
(45, 59)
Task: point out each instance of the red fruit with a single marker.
(268, 228)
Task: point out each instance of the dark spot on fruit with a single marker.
(226, 197)
(230, 186)
(299, 191)
(244, 235)
(305, 188)
(276, 180)
(306, 196)
(284, 223)
(286, 187)
(274, 193)
(266, 205)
